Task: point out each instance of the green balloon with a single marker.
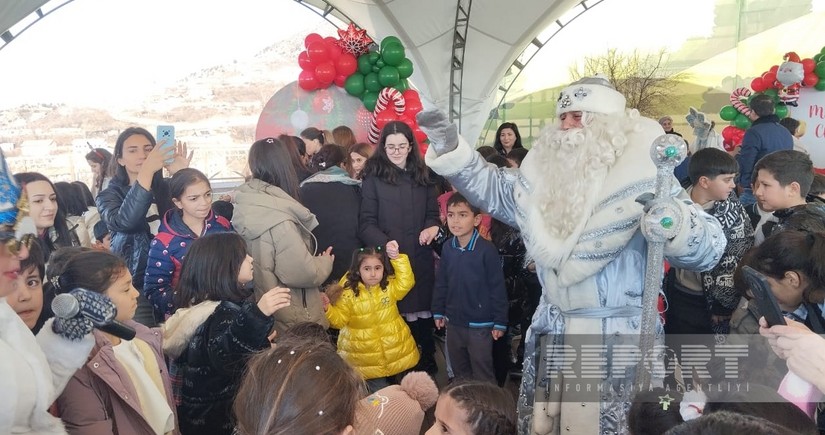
(393, 54)
(388, 76)
(375, 69)
(773, 93)
(781, 111)
(402, 85)
(728, 113)
(820, 69)
(371, 82)
(742, 121)
(380, 63)
(820, 85)
(390, 40)
(369, 99)
(355, 84)
(405, 68)
(364, 65)
(817, 57)
(374, 56)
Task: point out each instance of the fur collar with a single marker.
(180, 328)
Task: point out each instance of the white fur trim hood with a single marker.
(179, 329)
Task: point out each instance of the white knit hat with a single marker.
(590, 94)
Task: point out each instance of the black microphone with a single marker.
(94, 306)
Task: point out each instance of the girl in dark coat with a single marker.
(215, 329)
(399, 203)
(335, 200)
(137, 183)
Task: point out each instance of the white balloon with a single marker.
(299, 119)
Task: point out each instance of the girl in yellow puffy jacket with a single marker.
(374, 337)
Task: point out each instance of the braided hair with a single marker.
(491, 410)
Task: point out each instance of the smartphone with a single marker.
(762, 294)
(167, 133)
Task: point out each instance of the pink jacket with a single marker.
(101, 396)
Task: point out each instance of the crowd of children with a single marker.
(231, 307)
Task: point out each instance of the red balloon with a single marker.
(413, 107)
(420, 136)
(307, 81)
(384, 116)
(727, 132)
(769, 78)
(318, 52)
(422, 146)
(411, 94)
(304, 62)
(408, 118)
(340, 80)
(758, 85)
(809, 65)
(312, 37)
(346, 64)
(333, 49)
(810, 79)
(325, 73)
(774, 69)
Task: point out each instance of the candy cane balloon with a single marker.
(738, 104)
(386, 96)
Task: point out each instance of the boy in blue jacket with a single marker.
(469, 294)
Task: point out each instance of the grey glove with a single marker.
(74, 329)
(662, 219)
(442, 133)
(77, 312)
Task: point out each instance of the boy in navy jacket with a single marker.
(469, 294)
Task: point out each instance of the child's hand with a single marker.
(328, 253)
(275, 299)
(497, 333)
(325, 301)
(427, 235)
(440, 323)
(392, 249)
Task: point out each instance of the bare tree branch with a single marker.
(642, 78)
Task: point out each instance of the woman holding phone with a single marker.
(138, 190)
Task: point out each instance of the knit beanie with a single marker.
(591, 94)
(397, 409)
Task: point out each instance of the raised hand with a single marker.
(275, 299)
(180, 159)
(392, 249)
(442, 133)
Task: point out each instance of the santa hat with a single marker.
(397, 409)
(591, 94)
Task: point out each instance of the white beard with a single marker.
(567, 172)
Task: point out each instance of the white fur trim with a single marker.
(452, 162)
(179, 329)
(67, 353)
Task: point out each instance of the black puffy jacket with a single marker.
(209, 350)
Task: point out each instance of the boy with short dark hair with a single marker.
(27, 298)
(783, 179)
(702, 302)
(469, 294)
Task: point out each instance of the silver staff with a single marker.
(662, 223)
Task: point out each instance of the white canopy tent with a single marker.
(461, 49)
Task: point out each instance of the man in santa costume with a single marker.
(575, 200)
